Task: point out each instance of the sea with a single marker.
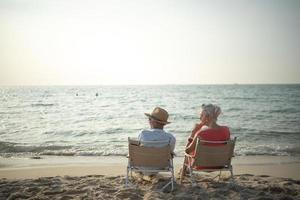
(97, 120)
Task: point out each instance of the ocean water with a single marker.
(74, 121)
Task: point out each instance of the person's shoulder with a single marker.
(144, 131)
(204, 128)
(170, 134)
(225, 131)
(225, 128)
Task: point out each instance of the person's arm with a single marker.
(191, 146)
(173, 142)
(141, 135)
(196, 128)
(194, 131)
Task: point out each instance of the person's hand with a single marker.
(190, 139)
(195, 129)
(203, 121)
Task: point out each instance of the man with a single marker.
(156, 136)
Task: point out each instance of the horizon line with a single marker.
(166, 84)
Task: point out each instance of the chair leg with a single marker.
(167, 185)
(172, 172)
(182, 174)
(231, 173)
(190, 168)
(191, 175)
(219, 175)
(171, 182)
(216, 176)
(127, 172)
(183, 170)
(172, 178)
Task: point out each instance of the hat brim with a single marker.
(159, 121)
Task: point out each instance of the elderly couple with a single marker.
(206, 129)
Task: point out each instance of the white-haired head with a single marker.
(211, 110)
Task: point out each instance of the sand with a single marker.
(105, 179)
(246, 186)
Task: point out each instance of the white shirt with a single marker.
(156, 138)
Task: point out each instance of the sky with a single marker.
(125, 42)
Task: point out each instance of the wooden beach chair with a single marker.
(149, 159)
(210, 156)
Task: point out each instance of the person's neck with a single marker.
(157, 127)
(213, 124)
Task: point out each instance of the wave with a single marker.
(277, 133)
(10, 147)
(240, 98)
(53, 153)
(268, 150)
(42, 104)
(251, 132)
(13, 149)
(293, 151)
(10, 112)
(184, 117)
(234, 109)
(102, 154)
(284, 110)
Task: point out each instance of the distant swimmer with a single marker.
(76, 94)
(97, 94)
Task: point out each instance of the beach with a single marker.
(80, 79)
(51, 177)
(56, 144)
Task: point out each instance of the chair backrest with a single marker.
(161, 143)
(142, 156)
(214, 153)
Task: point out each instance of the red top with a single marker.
(212, 134)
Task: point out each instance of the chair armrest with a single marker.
(188, 155)
(173, 155)
(135, 142)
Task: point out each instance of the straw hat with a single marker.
(160, 115)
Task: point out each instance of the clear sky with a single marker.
(91, 42)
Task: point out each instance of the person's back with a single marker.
(156, 138)
(221, 133)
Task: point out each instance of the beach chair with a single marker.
(149, 159)
(211, 156)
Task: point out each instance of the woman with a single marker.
(207, 129)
